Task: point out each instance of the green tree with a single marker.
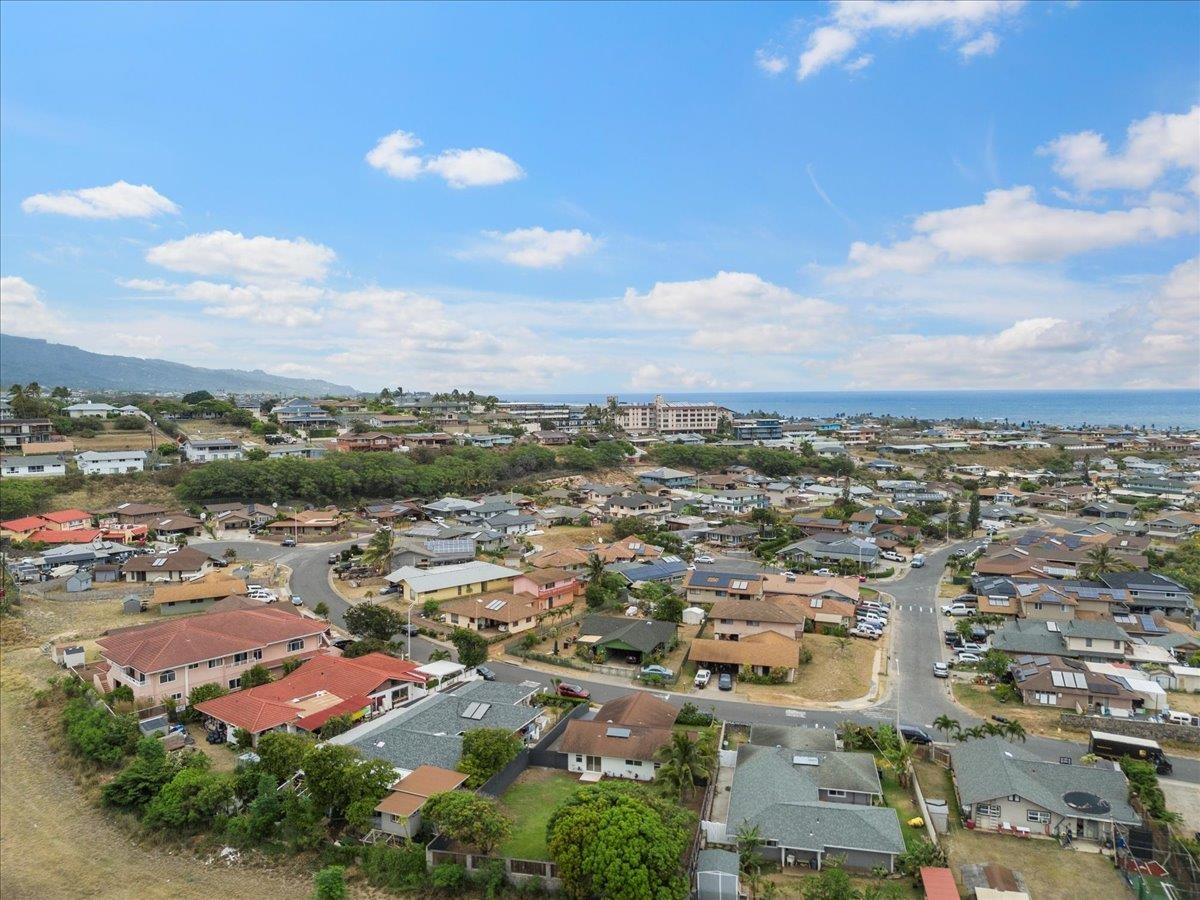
(337, 778)
(330, 883)
(485, 751)
(322, 609)
(191, 800)
(468, 818)
(140, 781)
(973, 512)
(282, 754)
(609, 842)
(372, 645)
(198, 695)
(256, 454)
(684, 762)
(1101, 560)
(255, 676)
(336, 725)
(371, 620)
(196, 397)
(594, 570)
(831, 884)
(947, 725)
(378, 552)
(430, 609)
(471, 646)
(669, 608)
(96, 734)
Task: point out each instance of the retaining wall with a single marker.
(1183, 734)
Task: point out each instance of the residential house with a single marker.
(759, 653)
(296, 451)
(389, 420)
(115, 462)
(308, 523)
(737, 619)
(706, 586)
(1097, 641)
(1003, 787)
(1070, 684)
(668, 478)
(172, 565)
(857, 550)
(202, 450)
(321, 688)
(369, 441)
(448, 506)
(55, 536)
(757, 430)
(822, 525)
(135, 513)
(664, 570)
(512, 523)
(627, 549)
(399, 813)
(431, 552)
(631, 639)
(738, 502)
(429, 732)
(21, 432)
(300, 413)
(569, 558)
(1176, 526)
(38, 466)
(1148, 591)
(89, 410)
(167, 660)
(621, 739)
(831, 587)
(733, 535)
(551, 587)
(560, 515)
(640, 505)
(427, 439)
(448, 582)
(500, 611)
(21, 529)
(197, 595)
(66, 519)
(812, 806)
(176, 525)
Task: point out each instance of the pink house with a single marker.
(550, 587)
(168, 660)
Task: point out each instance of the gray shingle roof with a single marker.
(641, 634)
(993, 767)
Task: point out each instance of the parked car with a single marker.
(918, 561)
(389, 589)
(725, 682)
(334, 558)
(824, 573)
(956, 609)
(485, 673)
(960, 552)
(220, 562)
(915, 735)
(891, 556)
(660, 671)
(863, 631)
(573, 690)
(288, 542)
(703, 558)
(972, 647)
(941, 670)
(964, 656)
(297, 600)
(409, 630)
(703, 676)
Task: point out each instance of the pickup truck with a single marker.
(703, 677)
(957, 609)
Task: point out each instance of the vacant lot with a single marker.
(118, 440)
(529, 802)
(107, 491)
(1050, 872)
(570, 536)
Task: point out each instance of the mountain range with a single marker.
(23, 360)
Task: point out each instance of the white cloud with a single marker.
(984, 45)
(120, 200)
(1012, 226)
(391, 155)
(290, 305)
(770, 63)
(1154, 146)
(970, 23)
(477, 167)
(224, 253)
(23, 312)
(727, 296)
(536, 248)
(650, 376)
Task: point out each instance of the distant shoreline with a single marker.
(1160, 409)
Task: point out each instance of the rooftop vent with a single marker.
(806, 761)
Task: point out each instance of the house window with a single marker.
(166, 677)
(235, 683)
(1040, 816)
(632, 762)
(177, 696)
(240, 658)
(752, 624)
(836, 793)
(1014, 798)
(213, 663)
(193, 665)
(1087, 642)
(297, 644)
(257, 654)
(988, 810)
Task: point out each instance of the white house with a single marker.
(114, 462)
(89, 410)
(211, 449)
(621, 740)
(32, 466)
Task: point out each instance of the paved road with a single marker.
(913, 692)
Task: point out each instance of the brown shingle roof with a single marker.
(185, 559)
(548, 576)
(754, 611)
(201, 589)
(766, 648)
(597, 738)
(638, 708)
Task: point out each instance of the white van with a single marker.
(918, 561)
(1178, 718)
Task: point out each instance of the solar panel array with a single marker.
(475, 711)
(1068, 679)
(496, 604)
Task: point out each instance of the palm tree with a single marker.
(898, 757)
(378, 553)
(683, 763)
(1102, 560)
(947, 726)
(749, 842)
(978, 733)
(842, 644)
(1014, 730)
(595, 568)
(439, 654)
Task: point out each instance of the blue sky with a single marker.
(599, 197)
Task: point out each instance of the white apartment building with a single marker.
(208, 450)
(672, 418)
(114, 462)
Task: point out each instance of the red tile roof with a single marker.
(168, 645)
(75, 536)
(29, 523)
(63, 516)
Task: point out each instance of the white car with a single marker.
(824, 573)
(968, 658)
(703, 677)
(704, 558)
(956, 609)
(865, 631)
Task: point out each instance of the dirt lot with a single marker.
(1050, 872)
(831, 677)
(570, 536)
(104, 493)
(118, 440)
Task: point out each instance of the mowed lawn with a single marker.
(529, 803)
(1050, 872)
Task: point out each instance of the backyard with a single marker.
(530, 802)
(905, 804)
(1050, 872)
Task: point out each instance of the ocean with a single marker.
(1134, 409)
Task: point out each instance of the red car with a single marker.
(573, 690)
